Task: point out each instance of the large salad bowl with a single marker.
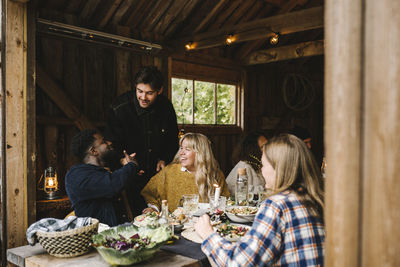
(126, 245)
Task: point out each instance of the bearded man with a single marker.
(91, 188)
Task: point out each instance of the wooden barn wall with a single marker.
(265, 105)
(91, 77)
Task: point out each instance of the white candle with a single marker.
(217, 193)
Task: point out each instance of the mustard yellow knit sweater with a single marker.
(171, 183)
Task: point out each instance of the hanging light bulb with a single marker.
(274, 39)
(189, 46)
(230, 39)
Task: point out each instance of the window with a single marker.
(199, 102)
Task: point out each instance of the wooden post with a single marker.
(343, 95)
(362, 125)
(16, 126)
(381, 154)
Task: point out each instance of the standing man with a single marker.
(144, 121)
(92, 189)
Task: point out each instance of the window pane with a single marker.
(203, 103)
(226, 104)
(182, 99)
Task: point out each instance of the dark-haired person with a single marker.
(248, 156)
(288, 229)
(144, 121)
(90, 187)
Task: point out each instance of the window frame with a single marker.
(216, 128)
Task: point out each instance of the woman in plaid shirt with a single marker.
(288, 229)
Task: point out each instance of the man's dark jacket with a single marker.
(152, 132)
(92, 190)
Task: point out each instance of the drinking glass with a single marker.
(251, 194)
(219, 204)
(190, 204)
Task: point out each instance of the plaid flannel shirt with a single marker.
(283, 234)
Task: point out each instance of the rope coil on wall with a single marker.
(297, 91)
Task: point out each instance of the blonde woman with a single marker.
(194, 170)
(288, 229)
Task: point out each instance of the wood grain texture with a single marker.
(343, 122)
(306, 49)
(16, 132)
(381, 155)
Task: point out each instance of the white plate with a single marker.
(235, 238)
(202, 209)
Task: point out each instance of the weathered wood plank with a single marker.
(62, 100)
(172, 14)
(224, 15)
(104, 21)
(284, 24)
(241, 11)
(343, 121)
(31, 111)
(15, 128)
(188, 9)
(204, 72)
(210, 15)
(380, 220)
(122, 69)
(122, 10)
(159, 10)
(305, 49)
(88, 10)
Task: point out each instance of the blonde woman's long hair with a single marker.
(296, 170)
(207, 168)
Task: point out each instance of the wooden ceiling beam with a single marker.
(104, 21)
(246, 49)
(158, 14)
(306, 49)
(274, 2)
(172, 12)
(210, 15)
(88, 10)
(302, 20)
(189, 7)
(122, 10)
(225, 14)
(60, 98)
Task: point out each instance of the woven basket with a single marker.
(69, 243)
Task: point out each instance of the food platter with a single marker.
(241, 214)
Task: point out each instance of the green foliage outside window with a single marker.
(207, 97)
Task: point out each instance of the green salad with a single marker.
(125, 245)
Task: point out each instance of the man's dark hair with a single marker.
(249, 151)
(81, 142)
(150, 75)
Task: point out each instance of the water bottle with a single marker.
(241, 190)
(163, 220)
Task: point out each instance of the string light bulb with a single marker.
(274, 39)
(189, 46)
(230, 39)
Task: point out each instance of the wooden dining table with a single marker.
(36, 256)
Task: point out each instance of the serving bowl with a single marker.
(241, 214)
(114, 244)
